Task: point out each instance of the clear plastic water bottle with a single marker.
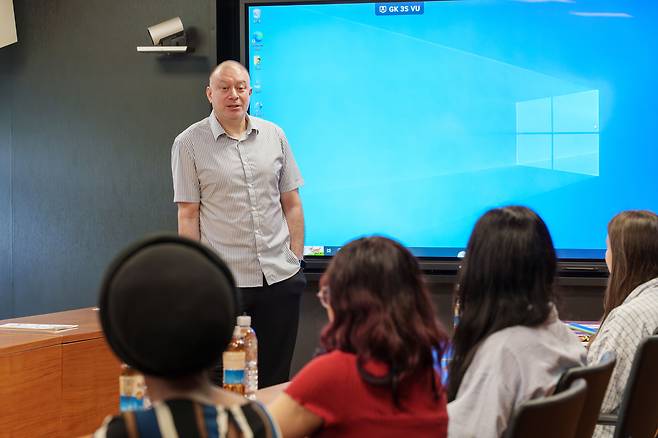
(233, 363)
(251, 351)
(132, 390)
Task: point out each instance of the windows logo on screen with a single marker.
(559, 133)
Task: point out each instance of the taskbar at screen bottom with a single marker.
(458, 253)
(454, 253)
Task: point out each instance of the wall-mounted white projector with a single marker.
(7, 23)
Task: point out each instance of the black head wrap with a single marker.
(168, 306)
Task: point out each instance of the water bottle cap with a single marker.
(244, 321)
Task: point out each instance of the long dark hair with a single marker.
(382, 311)
(633, 239)
(506, 279)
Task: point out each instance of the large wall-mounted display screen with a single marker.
(411, 119)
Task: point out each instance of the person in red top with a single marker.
(377, 377)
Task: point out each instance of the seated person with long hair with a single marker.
(377, 376)
(630, 305)
(509, 345)
(168, 308)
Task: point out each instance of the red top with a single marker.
(330, 386)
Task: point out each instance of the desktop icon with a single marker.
(257, 61)
(258, 108)
(314, 250)
(258, 37)
(257, 86)
(256, 15)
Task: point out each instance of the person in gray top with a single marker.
(630, 306)
(509, 345)
(236, 186)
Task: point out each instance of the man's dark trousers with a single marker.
(274, 311)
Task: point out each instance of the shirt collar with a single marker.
(217, 130)
(252, 124)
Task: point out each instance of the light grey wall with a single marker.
(86, 126)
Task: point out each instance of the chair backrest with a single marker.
(638, 413)
(550, 417)
(597, 378)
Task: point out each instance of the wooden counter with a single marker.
(56, 384)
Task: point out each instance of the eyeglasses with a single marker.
(239, 89)
(323, 295)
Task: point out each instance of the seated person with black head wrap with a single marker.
(167, 308)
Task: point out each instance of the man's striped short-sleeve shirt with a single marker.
(238, 184)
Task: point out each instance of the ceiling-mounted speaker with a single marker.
(7, 23)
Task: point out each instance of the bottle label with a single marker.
(234, 360)
(233, 363)
(233, 377)
(132, 392)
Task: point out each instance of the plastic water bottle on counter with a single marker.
(251, 356)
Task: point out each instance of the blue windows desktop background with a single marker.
(412, 122)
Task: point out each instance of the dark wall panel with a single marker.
(6, 295)
(582, 303)
(92, 127)
(314, 317)
(228, 29)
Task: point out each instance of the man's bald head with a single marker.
(230, 64)
(229, 92)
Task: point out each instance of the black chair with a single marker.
(638, 412)
(550, 417)
(597, 378)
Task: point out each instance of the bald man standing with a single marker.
(236, 186)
